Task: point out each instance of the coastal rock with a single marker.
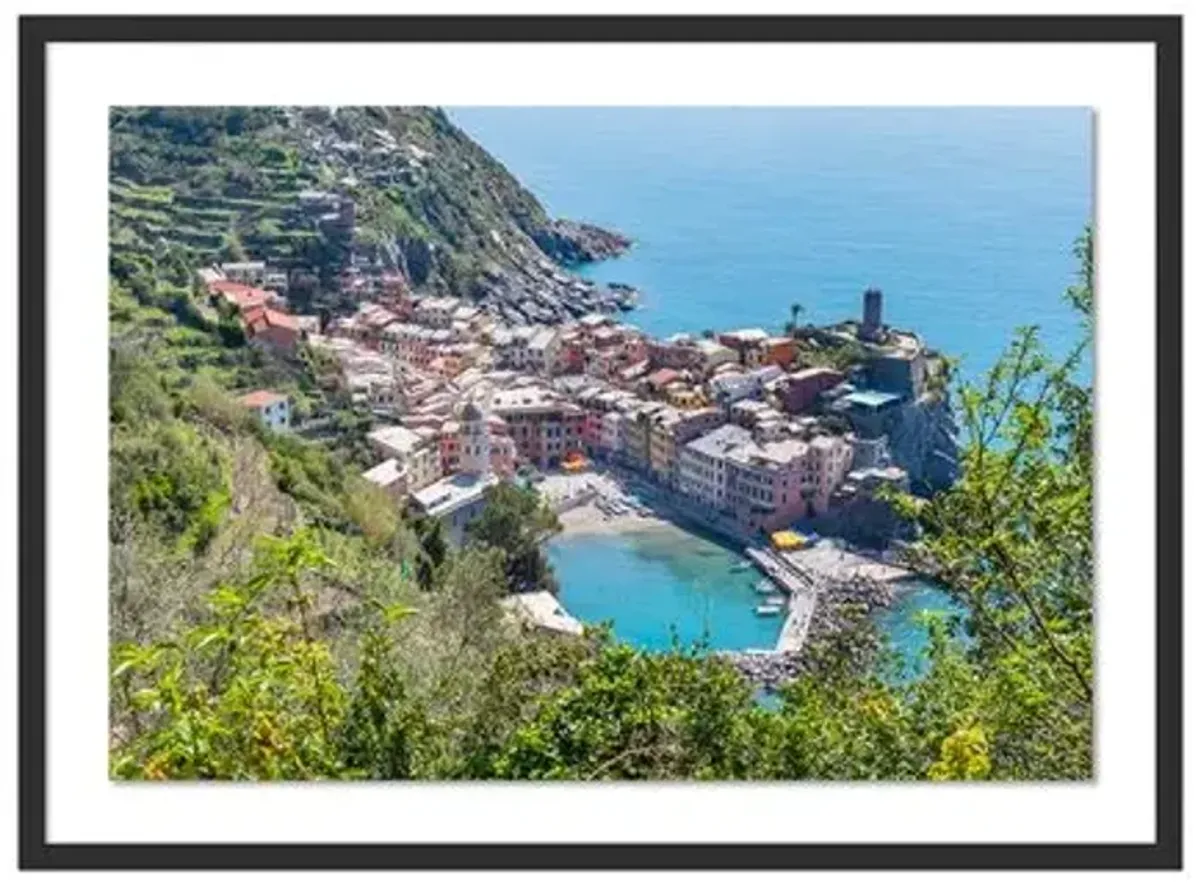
(864, 521)
(922, 438)
(836, 631)
(572, 243)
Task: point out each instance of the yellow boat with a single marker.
(787, 540)
(574, 461)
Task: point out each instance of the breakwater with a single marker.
(836, 609)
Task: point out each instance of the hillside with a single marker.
(326, 192)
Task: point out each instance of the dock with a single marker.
(801, 589)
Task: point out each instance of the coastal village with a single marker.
(729, 430)
(402, 487)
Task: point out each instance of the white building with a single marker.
(273, 409)
(415, 451)
(543, 350)
(389, 476)
(610, 432)
(732, 387)
(702, 465)
(512, 347)
(454, 501)
(252, 273)
(713, 353)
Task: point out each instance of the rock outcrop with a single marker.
(572, 243)
(922, 438)
(835, 632)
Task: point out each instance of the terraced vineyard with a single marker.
(191, 186)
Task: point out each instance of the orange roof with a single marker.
(259, 398)
(259, 317)
(284, 320)
(228, 286)
(663, 377)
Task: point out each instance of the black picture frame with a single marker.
(36, 33)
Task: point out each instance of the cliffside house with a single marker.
(272, 328)
(798, 391)
(273, 409)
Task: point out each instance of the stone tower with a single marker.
(872, 315)
(476, 447)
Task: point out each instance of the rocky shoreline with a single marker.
(842, 607)
(538, 292)
(572, 243)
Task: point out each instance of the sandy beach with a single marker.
(576, 496)
(588, 519)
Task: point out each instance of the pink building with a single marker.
(503, 449)
(593, 429)
(771, 485)
(799, 390)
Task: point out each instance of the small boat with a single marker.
(776, 600)
(739, 566)
(766, 585)
(768, 610)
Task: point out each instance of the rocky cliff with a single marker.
(922, 439)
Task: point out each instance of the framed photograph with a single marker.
(600, 443)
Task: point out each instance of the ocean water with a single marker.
(964, 217)
(904, 622)
(662, 586)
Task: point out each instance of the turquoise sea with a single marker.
(964, 217)
(665, 587)
(662, 586)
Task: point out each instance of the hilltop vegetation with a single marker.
(190, 186)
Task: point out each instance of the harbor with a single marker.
(623, 558)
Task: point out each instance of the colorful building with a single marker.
(543, 426)
(273, 409)
(798, 391)
(416, 452)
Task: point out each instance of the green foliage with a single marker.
(1013, 540)
(309, 474)
(1081, 293)
(433, 549)
(172, 477)
(245, 695)
(964, 757)
(517, 521)
(630, 715)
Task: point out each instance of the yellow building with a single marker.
(662, 445)
(685, 396)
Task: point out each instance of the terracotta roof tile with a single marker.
(259, 398)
